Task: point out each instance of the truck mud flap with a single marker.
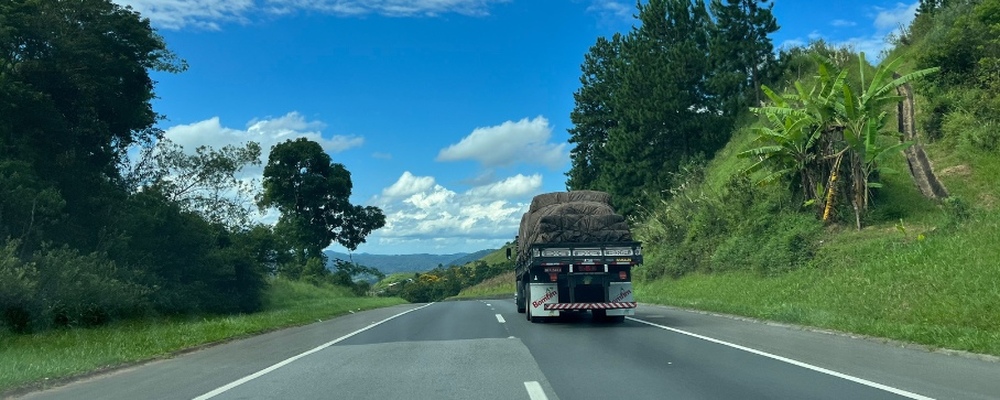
(540, 295)
(621, 292)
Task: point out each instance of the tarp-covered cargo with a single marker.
(583, 216)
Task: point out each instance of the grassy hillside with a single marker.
(497, 286)
(920, 270)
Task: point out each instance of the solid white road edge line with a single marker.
(535, 391)
(500, 319)
(290, 360)
(797, 363)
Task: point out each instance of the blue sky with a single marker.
(450, 114)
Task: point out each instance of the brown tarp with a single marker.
(575, 217)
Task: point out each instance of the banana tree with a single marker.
(863, 116)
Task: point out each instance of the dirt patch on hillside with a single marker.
(957, 170)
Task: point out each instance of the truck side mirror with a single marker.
(508, 253)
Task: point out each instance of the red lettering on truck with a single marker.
(548, 295)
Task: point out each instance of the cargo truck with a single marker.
(573, 254)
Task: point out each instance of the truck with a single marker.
(574, 254)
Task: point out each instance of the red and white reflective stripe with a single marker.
(589, 306)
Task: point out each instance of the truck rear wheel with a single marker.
(520, 301)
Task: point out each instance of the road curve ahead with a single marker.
(486, 350)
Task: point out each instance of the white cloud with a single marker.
(522, 142)
(611, 11)
(408, 185)
(902, 15)
(423, 215)
(208, 14)
(178, 14)
(515, 186)
(266, 132)
(841, 23)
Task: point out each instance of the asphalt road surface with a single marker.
(484, 349)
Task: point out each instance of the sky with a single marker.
(450, 114)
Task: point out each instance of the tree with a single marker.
(663, 111)
(312, 194)
(76, 95)
(206, 182)
(593, 116)
(812, 133)
(741, 51)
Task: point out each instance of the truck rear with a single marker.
(574, 253)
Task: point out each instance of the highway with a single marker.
(484, 349)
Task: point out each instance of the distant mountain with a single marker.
(408, 262)
(471, 257)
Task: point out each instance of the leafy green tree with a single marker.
(837, 120)
(76, 89)
(206, 182)
(312, 194)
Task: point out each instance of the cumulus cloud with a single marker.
(522, 142)
(267, 132)
(423, 214)
(208, 14)
(408, 185)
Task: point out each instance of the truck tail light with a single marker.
(553, 276)
(622, 275)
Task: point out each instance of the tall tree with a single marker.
(75, 95)
(741, 51)
(664, 114)
(312, 194)
(593, 116)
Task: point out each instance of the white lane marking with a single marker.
(489, 305)
(797, 363)
(535, 391)
(500, 319)
(270, 369)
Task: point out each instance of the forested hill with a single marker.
(389, 264)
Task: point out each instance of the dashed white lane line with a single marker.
(270, 369)
(797, 363)
(500, 319)
(535, 391)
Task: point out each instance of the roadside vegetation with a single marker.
(36, 360)
(109, 230)
(498, 286)
(444, 282)
(808, 213)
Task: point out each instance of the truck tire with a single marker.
(527, 310)
(521, 303)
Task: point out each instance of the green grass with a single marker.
(500, 285)
(31, 360)
(941, 291)
(497, 257)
